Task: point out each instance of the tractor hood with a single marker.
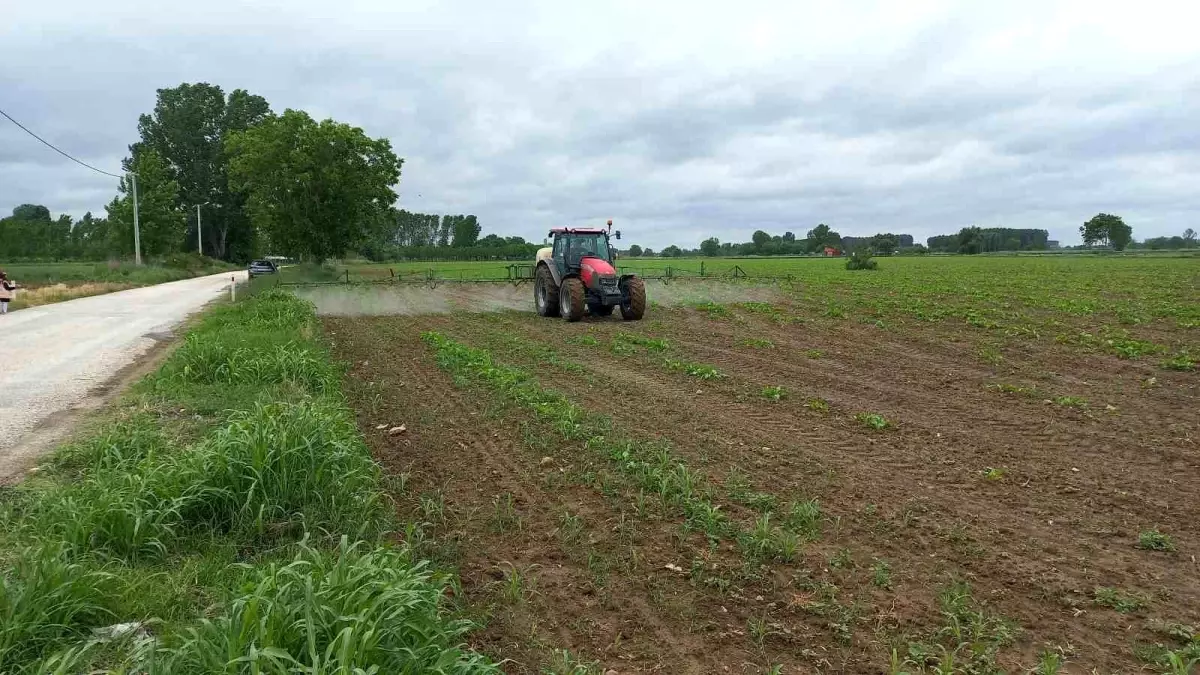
(597, 265)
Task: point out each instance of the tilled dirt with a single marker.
(1057, 516)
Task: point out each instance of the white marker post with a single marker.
(233, 289)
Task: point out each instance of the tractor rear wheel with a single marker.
(545, 292)
(598, 309)
(633, 300)
(570, 299)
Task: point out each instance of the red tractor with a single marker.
(577, 271)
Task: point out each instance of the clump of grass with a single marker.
(1071, 402)
(1182, 362)
(757, 343)
(817, 403)
(776, 393)
(881, 574)
(650, 343)
(349, 610)
(804, 517)
(1153, 540)
(1019, 390)
(1120, 601)
(505, 516)
(698, 370)
(587, 339)
(766, 541)
(713, 310)
(47, 599)
(969, 640)
(814, 353)
(273, 469)
(873, 421)
(994, 473)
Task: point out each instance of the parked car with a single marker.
(261, 267)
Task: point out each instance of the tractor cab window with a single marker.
(590, 244)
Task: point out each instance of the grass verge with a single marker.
(227, 519)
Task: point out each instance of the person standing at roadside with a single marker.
(7, 291)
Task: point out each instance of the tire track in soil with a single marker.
(450, 449)
(1043, 560)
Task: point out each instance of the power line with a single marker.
(51, 146)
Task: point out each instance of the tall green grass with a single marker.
(239, 525)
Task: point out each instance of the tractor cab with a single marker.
(578, 270)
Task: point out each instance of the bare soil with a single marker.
(1035, 503)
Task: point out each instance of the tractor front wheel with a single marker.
(633, 300)
(545, 292)
(570, 299)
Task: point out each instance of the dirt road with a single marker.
(56, 357)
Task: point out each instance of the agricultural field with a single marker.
(46, 283)
(42, 284)
(950, 465)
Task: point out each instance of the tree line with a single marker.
(263, 183)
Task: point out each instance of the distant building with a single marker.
(831, 251)
(1051, 243)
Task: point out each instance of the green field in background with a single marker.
(71, 273)
(1130, 290)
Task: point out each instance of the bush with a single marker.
(860, 260)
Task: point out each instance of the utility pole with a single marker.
(137, 233)
(199, 239)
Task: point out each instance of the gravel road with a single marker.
(53, 358)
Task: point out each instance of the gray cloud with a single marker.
(680, 121)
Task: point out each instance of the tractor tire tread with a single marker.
(546, 280)
(636, 308)
(573, 287)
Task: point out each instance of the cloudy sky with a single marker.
(679, 120)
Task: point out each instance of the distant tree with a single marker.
(316, 188)
(1119, 234)
(1106, 229)
(672, 251)
(788, 237)
(161, 222)
(188, 129)
(1189, 238)
(635, 251)
(884, 244)
(760, 239)
(31, 212)
(821, 236)
(970, 240)
(647, 253)
(444, 230)
(466, 231)
(710, 247)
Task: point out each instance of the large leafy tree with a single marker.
(821, 236)
(1106, 229)
(710, 247)
(161, 221)
(188, 129)
(466, 230)
(315, 189)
